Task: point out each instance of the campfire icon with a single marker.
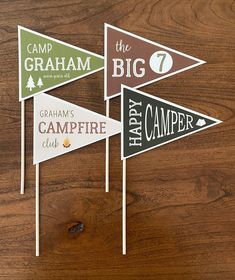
(66, 143)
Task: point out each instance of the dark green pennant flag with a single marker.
(149, 122)
(46, 63)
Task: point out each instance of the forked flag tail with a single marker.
(149, 122)
(135, 61)
(46, 63)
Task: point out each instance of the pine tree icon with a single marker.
(30, 83)
(39, 83)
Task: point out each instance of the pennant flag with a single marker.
(135, 61)
(149, 122)
(61, 127)
(46, 63)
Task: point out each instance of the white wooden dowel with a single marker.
(22, 171)
(37, 210)
(124, 207)
(107, 154)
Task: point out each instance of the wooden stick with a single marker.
(37, 210)
(107, 154)
(22, 171)
(124, 207)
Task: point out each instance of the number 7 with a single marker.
(163, 55)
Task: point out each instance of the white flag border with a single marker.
(57, 41)
(164, 101)
(76, 107)
(106, 26)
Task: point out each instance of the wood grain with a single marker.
(181, 197)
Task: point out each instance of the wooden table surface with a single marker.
(181, 196)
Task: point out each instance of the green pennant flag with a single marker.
(149, 122)
(46, 63)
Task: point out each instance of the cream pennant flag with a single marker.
(61, 127)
